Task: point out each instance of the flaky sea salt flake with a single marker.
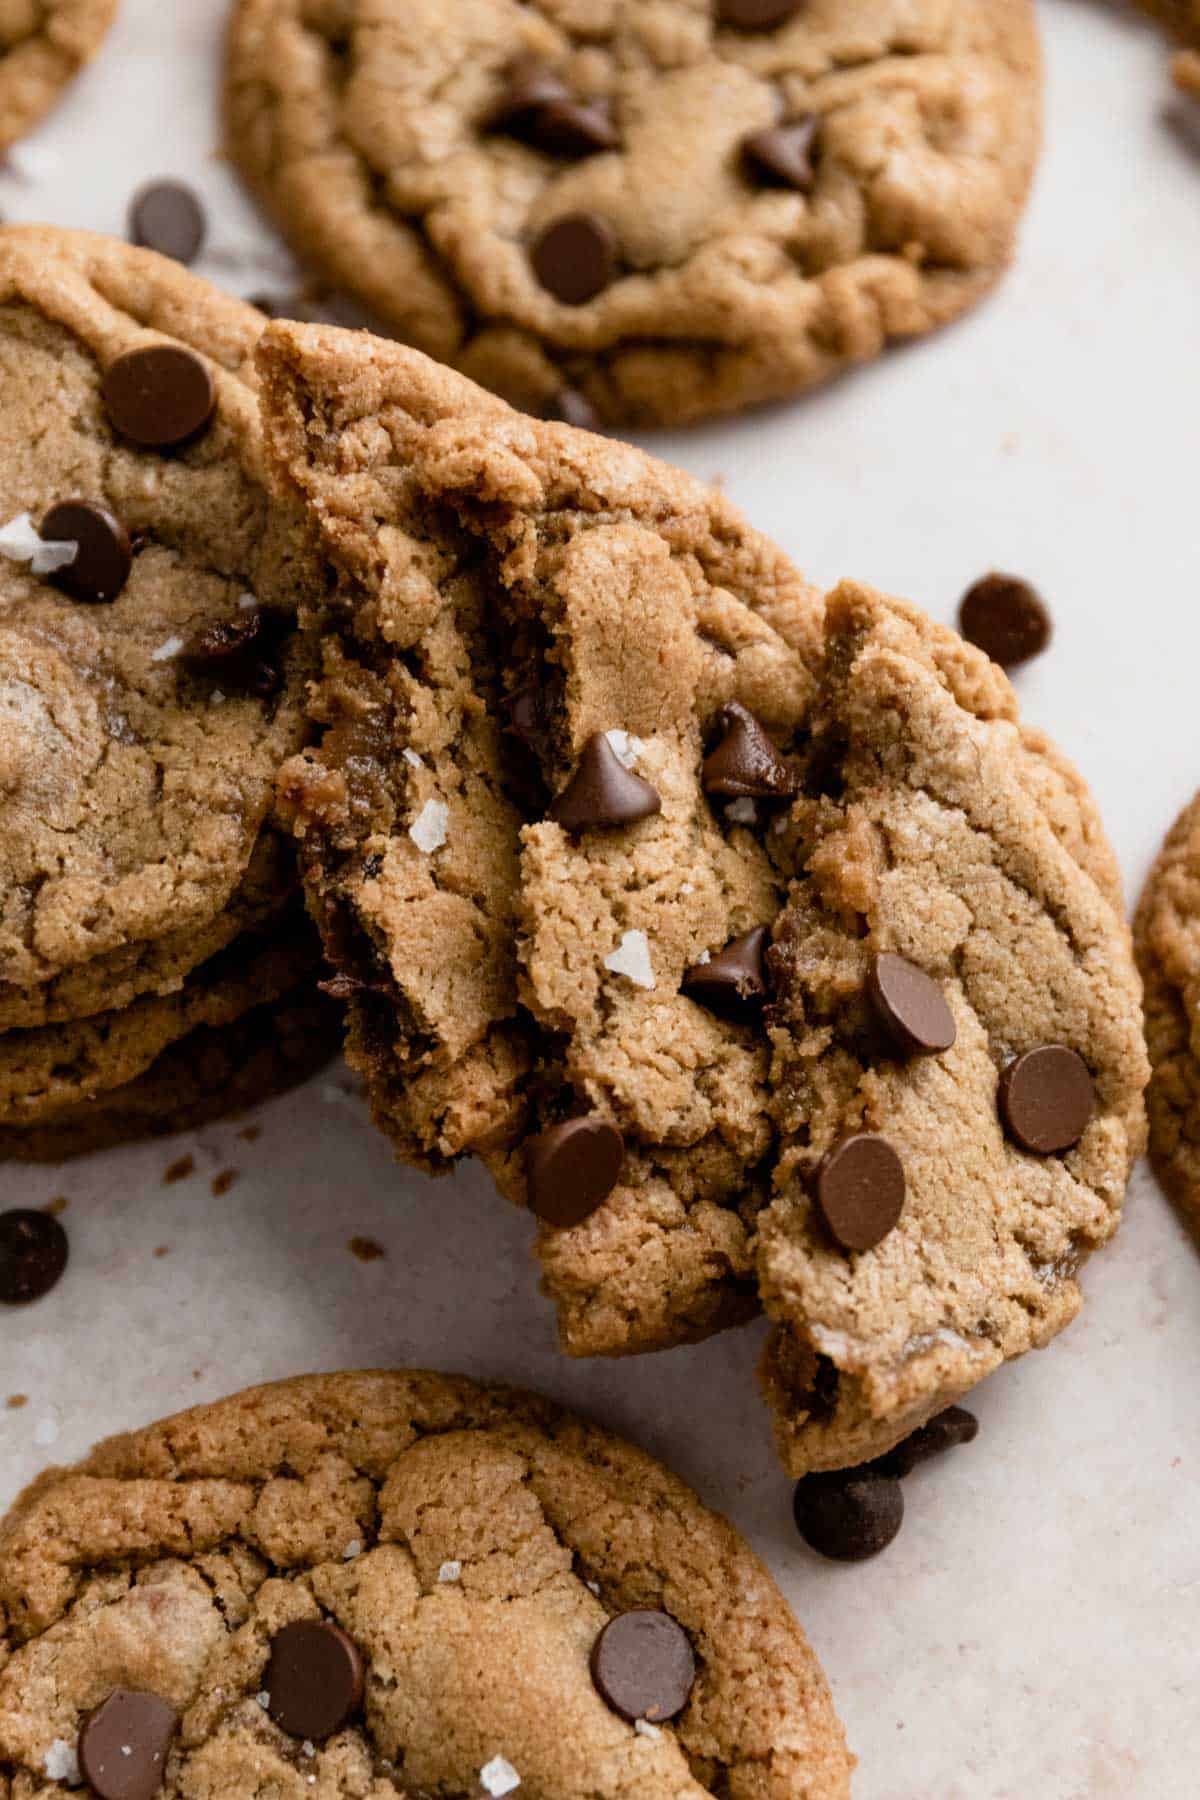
(61, 1763)
(645, 1729)
(428, 830)
(499, 1777)
(625, 747)
(742, 811)
(450, 1571)
(21, 542)
(168, 650)
(631, 958)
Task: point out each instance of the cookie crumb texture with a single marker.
(1167, 939)
(43, 46)
(170, 1561)
(691, 267)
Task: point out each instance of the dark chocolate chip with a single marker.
(167, 216)
(240, 653)
(734, 982)
(314, 1679)
(781, 156)
(124, 1745)
(1005, 617)
(848, 1514)
(572, 1168)
(603, 793)
(745, 762)
(943, 1432)
(1046, 1099)
(574, 128)
(756, 15)
(570, 407)
(860, 1190)
(910, 1005)
(104, 555)
(575, 257)
(530, 86)
(643, 1666)
(159, 396)
(33, 1255)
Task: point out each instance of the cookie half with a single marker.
(645, 216)
(1167, 938)
(353, 1583)
(43, 46)
(149, 674)
(526, 622)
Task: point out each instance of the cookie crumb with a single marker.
(631, 958)
(222, 1183)
(450, 1571)
(250, 1134)
(56, 1207)
(15, 1402)
(428, 831)
(499, 1777)
(162, 1250)
(179, 1170)
(366, 1249)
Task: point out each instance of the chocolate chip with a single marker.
(1046, 1099)
(104, 557)
(124, 1745)
(643, 1666)
(944, 1432)
(314, 1679)
(159, 396)
(781, 156)
(570, 407)
(1005, 617)
(911, 1005)
(239, 653)
(745, 762)
(603, 793)
(33, 1255)
(166, 216)
(756, 15)
(575, 257)
(848, 1514)
(530, 85)
(734, 982)
(574, 128)
(860, 1190)
(572, 1168)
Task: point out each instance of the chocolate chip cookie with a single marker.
(1167, 939)
(43, 46)
(149, 673)
(400, 1583)
(644, 214)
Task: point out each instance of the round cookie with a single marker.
(399, 1583)
(43, 46)
(505, 594)
(1167, 940)
(643, 215)
(137, 760)
(213, 1073)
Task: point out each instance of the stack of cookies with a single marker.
(743, 931)
(156, 965)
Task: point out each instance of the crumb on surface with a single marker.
(57, 1207)
(366, 1249)
(222, 1183)
(250, 1134)
(15, 1402)
(162, 1250)
(179, 1170)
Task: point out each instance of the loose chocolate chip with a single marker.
(166, 216)
(574, 128)
(105, 554)
(756, 15)
(530, 85)
(572, 1168)
(944, 1432)
(734, 982)
(575, 257)
(911, 1005)
(848, 1514)
(860, 1190)
(1046, 1099)
(781, 156)
(570, 407)
(603, 793)
(33, 1255)
(745, 762)
(124, 1745)
(1005, 617)
(159, 396)
(240, 653)
(643, 1666)
(314, 1679)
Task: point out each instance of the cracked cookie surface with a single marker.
(472, 1542)
(1167, 940)
(421, 184)
(43, 46)
(136, 788)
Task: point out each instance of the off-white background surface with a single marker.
(1033, 1634)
